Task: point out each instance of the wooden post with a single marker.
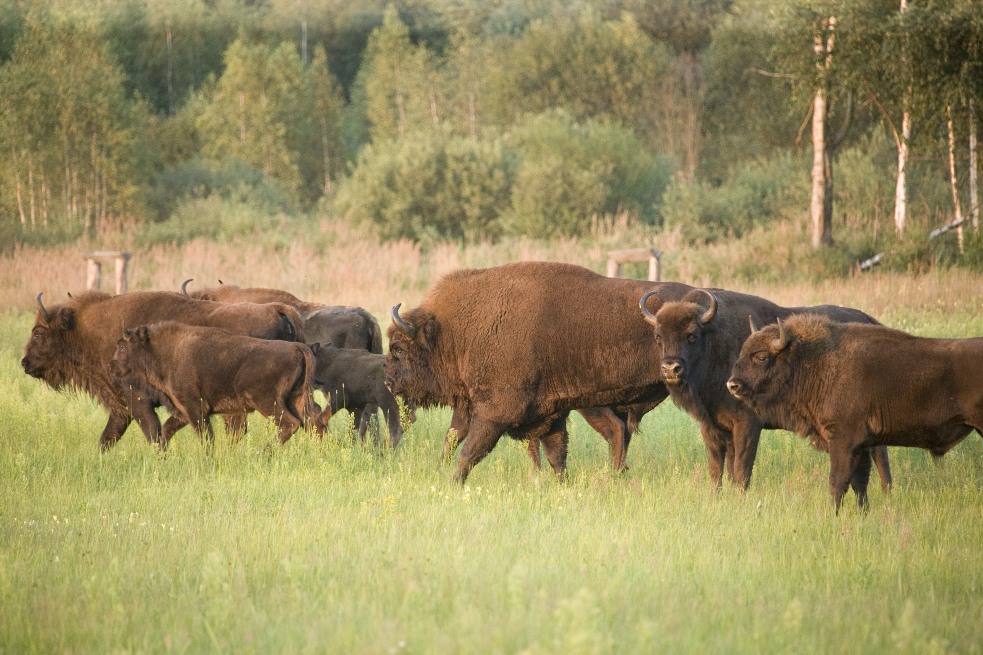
(618, 257)
(93, 268)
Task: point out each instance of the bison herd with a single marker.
(513, 350)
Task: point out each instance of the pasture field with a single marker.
(337, 547)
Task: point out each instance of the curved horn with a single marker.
(403, 325)
(711, 311)
(44, 312)
(750, 321)
(782, 341)
(184, 286)
(643, 305)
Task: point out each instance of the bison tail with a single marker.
(376, 345)
(308, 410)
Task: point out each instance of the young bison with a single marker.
(354, 379)
(200, 371)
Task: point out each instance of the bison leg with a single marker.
(171, 426)
(883, 464)
(746, 435)
(391, 411)
(842, 460)
(235, 426)
(115, 427)
(532, 448)
(481, 439)
(143, 412)
(611, 426)
(555, 445)
(861, 476)
(458, 431)
(716, 453)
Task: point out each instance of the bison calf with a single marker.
(200, 371)
(355, 380)
(849, 387)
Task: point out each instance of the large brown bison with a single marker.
(72, 343)
(699, 338)
(848, 387)
(513, 349)
(342, 325)
(355, 380)
(199, 371)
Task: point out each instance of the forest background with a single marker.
(693, 122)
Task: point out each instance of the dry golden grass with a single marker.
(358, 269)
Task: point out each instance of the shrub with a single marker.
(424, 188)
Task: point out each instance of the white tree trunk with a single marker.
(957, 211)
(901, 188)
(974, 202)
(817, 207)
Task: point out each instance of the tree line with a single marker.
(452, 119)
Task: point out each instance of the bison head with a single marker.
(681, 329)
(49, 347)
(763, 369)
(127, 357)
(410, 364)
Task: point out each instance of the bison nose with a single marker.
(735, 387)
(672, 369)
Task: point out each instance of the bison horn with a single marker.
(44, 312)
(643, 305)
(711, 311)
(750, 321)
(781, 342)
(403, 325)
(184, 286)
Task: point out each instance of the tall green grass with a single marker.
(336, 547)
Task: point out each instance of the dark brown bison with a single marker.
(699, 338)
(849, 387)
(515, 348)
(344, 326)
(355, 380)
(199, 371)
(72, 343)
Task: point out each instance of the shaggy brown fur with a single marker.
(515, 348)
(848, 387)
(72, 343)
(199, 371)
(700, 338)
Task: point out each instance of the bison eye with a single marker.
(691, 338)
(761, 358)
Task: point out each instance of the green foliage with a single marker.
(571, 172)
(216, 218)
(425, 189)
(70, 139)
(757, 194)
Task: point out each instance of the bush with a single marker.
(758, 194)
(424, 188)
(212, 217)
(232, 180)
(571, 172)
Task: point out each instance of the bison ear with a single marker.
(315, 347)
(63, 319)
(428, 333)
(142, 334)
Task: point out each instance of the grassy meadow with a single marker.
(333, 546)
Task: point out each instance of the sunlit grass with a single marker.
(334, 546)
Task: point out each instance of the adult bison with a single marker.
(199, 371)
(342, 325)
(515, 348)
(699, 339)
(72, 343)
(355, 380)
(848, 387)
